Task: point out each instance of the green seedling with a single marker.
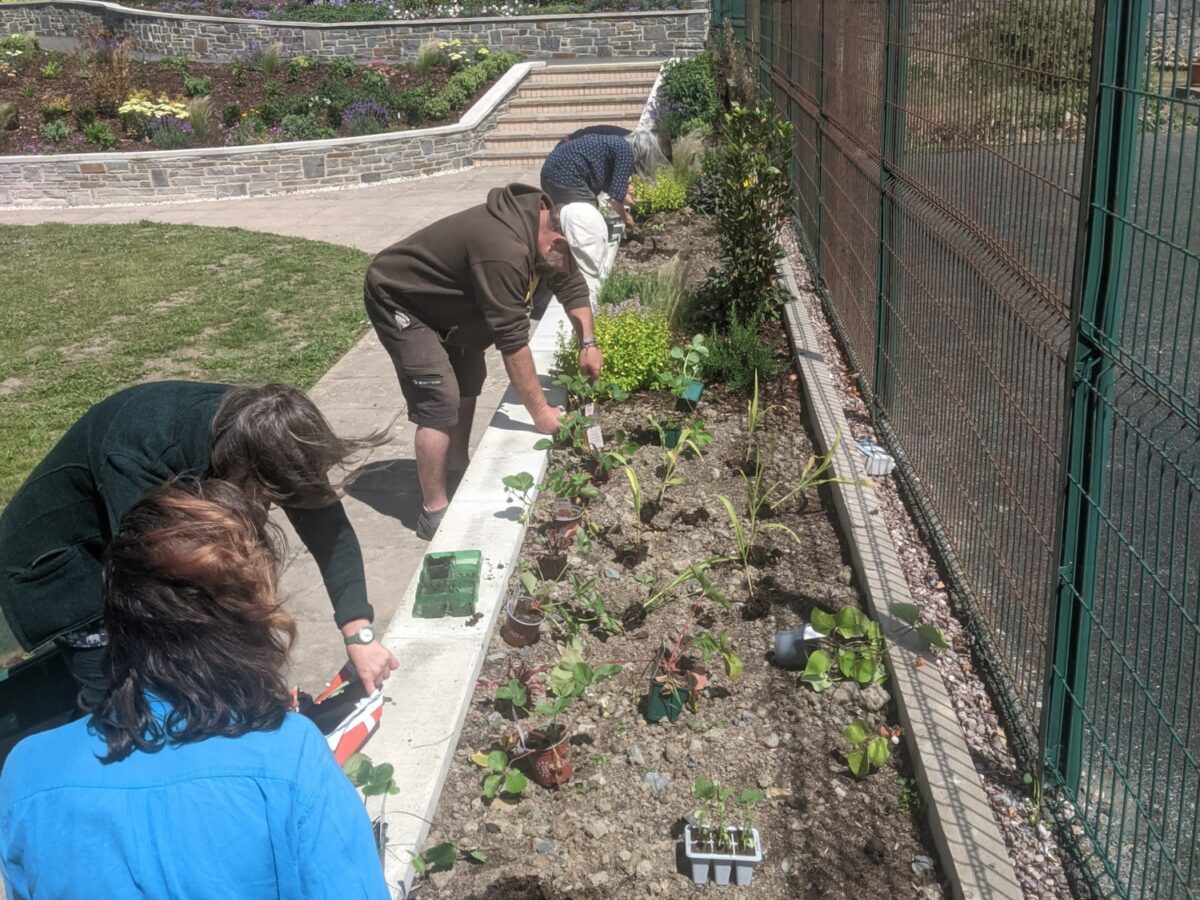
(502, 778)
(686, 367)
(910, 616)
(868, 751)
(710, 646)
(697, 571)
(519, 487)
(571, 676)
(720, 827)
(443, 856)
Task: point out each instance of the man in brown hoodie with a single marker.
(439, 298)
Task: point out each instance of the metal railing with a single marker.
(999, 199)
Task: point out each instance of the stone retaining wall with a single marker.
(57, 23)
(92, 179)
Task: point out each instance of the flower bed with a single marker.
(99, 99)
(650, 695)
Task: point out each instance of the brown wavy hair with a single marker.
(192, 614)
(275, 444)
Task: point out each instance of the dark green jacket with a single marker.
(53, 533)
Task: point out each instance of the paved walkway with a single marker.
(359, 394)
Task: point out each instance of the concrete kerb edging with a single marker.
(972, 851)
(440, 659)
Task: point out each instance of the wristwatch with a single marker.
(587, 342)
(364, 635)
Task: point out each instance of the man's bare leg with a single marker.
(432, 448)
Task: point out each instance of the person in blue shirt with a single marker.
(580, 168)
(191, 779)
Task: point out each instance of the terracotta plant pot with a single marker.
(567, 517)
(549, 755)
(521, 622)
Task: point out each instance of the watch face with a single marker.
(366, 634)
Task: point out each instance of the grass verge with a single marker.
(89, 309)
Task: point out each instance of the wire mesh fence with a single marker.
(1000, 198)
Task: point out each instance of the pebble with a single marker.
(845, 575)
(874, 697)
(598, 878)
(785, 866)
(845, 693)
(679, 566)
(674, 753)
(635, 756)
(760, 711)
(492, 827)
(610, 572)
(922, 865)
(644, 868)
(545, 847)
(656, 781)
(772, 740)
(596, 829)
(696, 746)
(763, 780)
(494, 718)
(625, 856)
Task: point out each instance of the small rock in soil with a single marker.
(845, 693)
(772, 740)
(598, 878)
(644, 868)
(845, 575)
(494, 718)
(922, 865)
(674, 753)
(545, 847)
(763, 780)
(625, 856)
(610, 572)
(656, 781)
(785, 866)
(492, 828)
(596, 829)
(874, 697)
(696, 746)
(634, 754)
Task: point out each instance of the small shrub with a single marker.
(99, 134)
(85, 114)
(411, 104)
(687, 96)
(297, 66)
(179, 64)
(687, 156)
(753, 195)
(17, 50)
(139, 113)
(702, 193)
(304, 128)
(267, 59)
(343, 67)
(112, 76)
(231, 115)
(734, 358)
(55, 109)
(56, 131)
(237, 69)
(197, 87)
(200, 114)
(52, 69)
(272, 89)
(665, 194)
(636, 343)
(366, 117)
(171, 133)
(10, 116)
(428, 56)
(375, 80)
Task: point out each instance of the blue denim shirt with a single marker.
(264, 815)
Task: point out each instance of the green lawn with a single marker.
(88, 309)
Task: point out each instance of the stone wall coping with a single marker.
(382, 23)
(479, 111)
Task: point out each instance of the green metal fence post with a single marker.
(1096, 315)
(892, 153)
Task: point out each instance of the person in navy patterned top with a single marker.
(579, 169)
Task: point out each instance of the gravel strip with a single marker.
(1035, 853)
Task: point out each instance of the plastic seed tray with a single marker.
(449, 584)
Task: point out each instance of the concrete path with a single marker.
(359, 394)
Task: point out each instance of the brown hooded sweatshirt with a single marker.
(470, 276)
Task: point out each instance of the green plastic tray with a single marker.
(449, 584)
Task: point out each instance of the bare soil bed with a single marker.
(615, 828)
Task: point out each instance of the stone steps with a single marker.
(555, 100)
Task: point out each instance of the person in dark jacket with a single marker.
(191, 778)
(270, 441)
(442, 296)
(589, 163)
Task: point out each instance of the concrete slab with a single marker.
(972, 851)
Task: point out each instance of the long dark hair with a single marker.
(273, 442)
(192, 615)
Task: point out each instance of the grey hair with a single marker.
(647, 152)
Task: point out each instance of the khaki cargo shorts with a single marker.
(434, 376)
